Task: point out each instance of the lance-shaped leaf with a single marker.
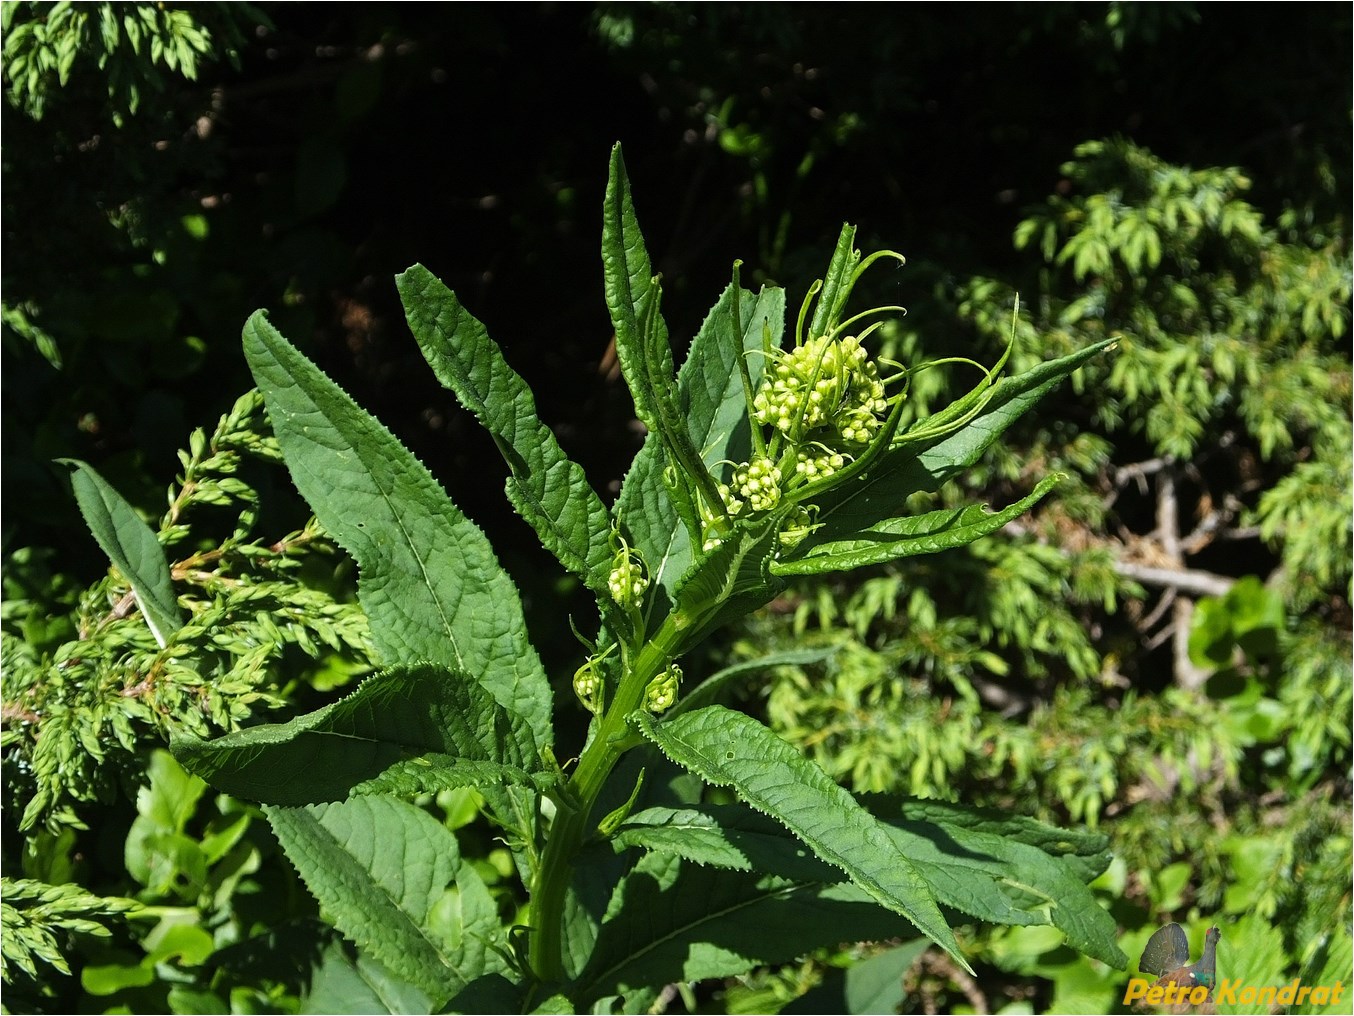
(824, 551)
(913, 466)
(630, 290)
(1085, 853)
(837, 283)
(131, 546)
(997, 867)
(709, 384)
(548, 490)
(430, 583)
(669, 921)
(710, 390)
(382, 870)
(633, 295)
(728, 581)
(405, 723)
(727, 836)
(985, 870)
(726, 748)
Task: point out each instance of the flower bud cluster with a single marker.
(798, 525)
(754, 484)
(588, 684)
(662, 690)
(818, 467)
(827, 384)
(627, 581)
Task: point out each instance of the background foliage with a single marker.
(1162, 651)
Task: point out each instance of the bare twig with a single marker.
(1187, 675)
(1164, 604)
(1168, 531)
(1211, 526)
(1141, 470)
(1186, 580)
(1161, 637)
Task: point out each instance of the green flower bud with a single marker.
(798, 525)
(662, 690)
(588, 685)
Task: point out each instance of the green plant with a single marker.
(761, 463)
(133, 44)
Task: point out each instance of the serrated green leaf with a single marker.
(671, 921)
(728, 581)
(634, 296)
(419, 717)
(131, 546)
(630, 288)
(727, 836)
(433, 772)
(709, 384)
(430, 583)
(709, 390)
(726, 749)
(548, 490)
(379, 867)
(982, 868)
(826, 549)
(1001, 868)
(341, 984)
(913, 467)
(598, 870)
(1085, 853)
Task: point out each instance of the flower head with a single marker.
(827, 385)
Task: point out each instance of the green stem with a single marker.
(572, 821)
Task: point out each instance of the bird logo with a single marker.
(1167, 958)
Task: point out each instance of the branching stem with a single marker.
(573, 822)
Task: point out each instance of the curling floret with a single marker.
(661, 692)
(588, 685)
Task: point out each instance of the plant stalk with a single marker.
(573, 821)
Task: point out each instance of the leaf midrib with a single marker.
(676, 932)
(386, 496)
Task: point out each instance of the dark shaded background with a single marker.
(354, 140)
